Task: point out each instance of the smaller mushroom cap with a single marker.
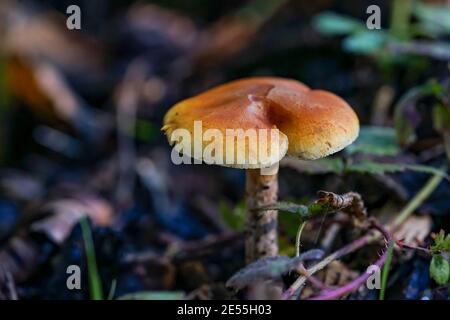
(301, 122)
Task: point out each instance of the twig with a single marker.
(9, 283)
(350, 203)
(11, 287)
(355, 284)
(402, 245)
(314, 281)
(322, 264)
(355, 245)
(317, 283)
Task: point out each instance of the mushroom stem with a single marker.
(261, 226)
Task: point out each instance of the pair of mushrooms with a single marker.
(312, 124)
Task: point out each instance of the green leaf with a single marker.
(319, 166)
(365, 42)
(233, 218)
(436, 18)
(290, 207)
(153, 295)
(330, 23)
(380, 141)
(439, 269)
(441, 243)
(367, 166)
(440, 237)
(317, 208)
(304, 212)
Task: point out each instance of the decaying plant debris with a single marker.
(86, 176)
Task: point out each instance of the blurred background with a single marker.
(80, 118)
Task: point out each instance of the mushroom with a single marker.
(310, 124)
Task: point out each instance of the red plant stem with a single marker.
(349, 287)
(355, 245)
(318, 284)
(402, 245)
(355, 284)
(314, 281)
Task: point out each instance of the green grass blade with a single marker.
(385, 272)
(95, 285)
(112, 290)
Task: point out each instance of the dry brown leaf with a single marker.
(68, 212)
(337, 274)
(414, 230)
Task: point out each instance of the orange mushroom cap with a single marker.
(312, 123)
